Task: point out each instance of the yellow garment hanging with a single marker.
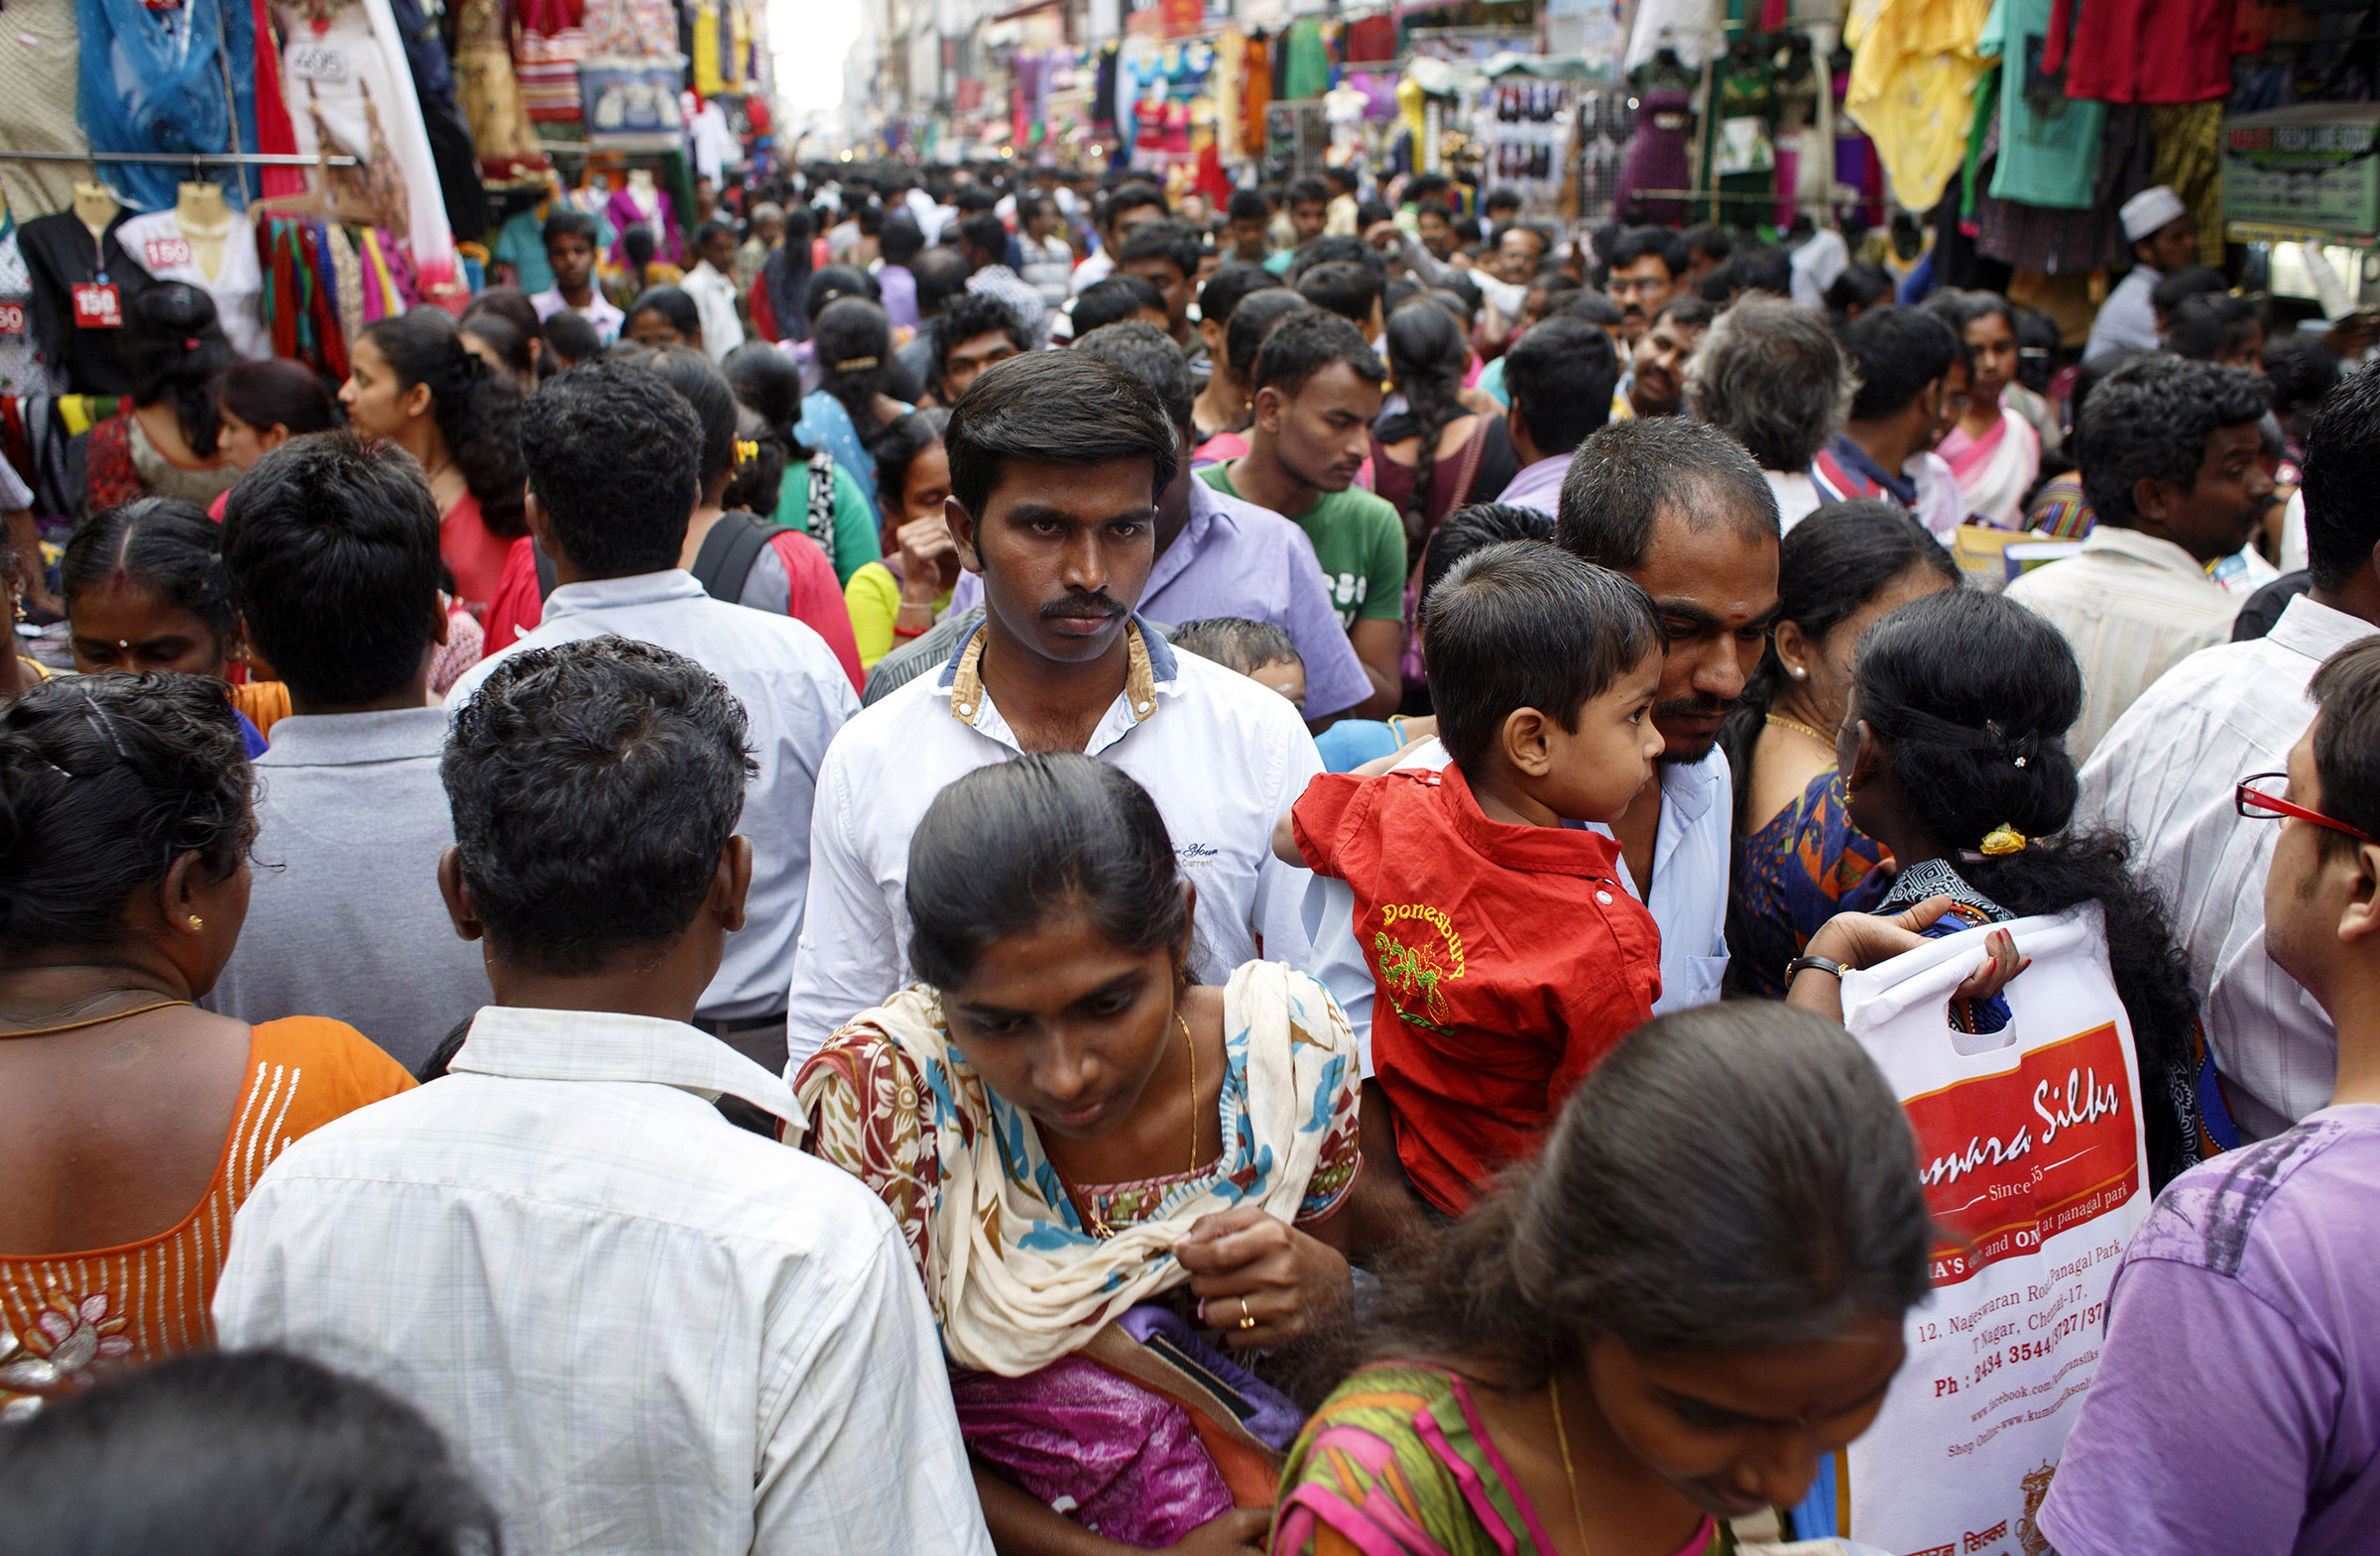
(1914, 68)
(707, 50)
(739, 30)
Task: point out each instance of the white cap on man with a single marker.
(2145, 213)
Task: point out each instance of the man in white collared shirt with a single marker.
(645, 1328)
(612, 451)
(2166, 773)
(1681, 509)
(1057, 462)
(712, 285)
(2168, 455)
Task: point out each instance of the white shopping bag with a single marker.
(2035, 1171)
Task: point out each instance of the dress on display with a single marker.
(60, 256)
(156, 243)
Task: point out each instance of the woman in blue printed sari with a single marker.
(1799, 860)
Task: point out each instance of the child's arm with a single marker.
(1285, 840)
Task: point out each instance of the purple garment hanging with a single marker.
(1656, 158)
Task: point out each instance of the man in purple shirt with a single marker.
(1221, 555)
(2237, 1405)
(1560, 376)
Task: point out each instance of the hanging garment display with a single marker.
(451, 147)
(1603, 127)
(715, 145)
(2189, 163)
(22, 369)
(39, 70)
(1526, 127)
(1914, 66)
(1805, 174)
(2049, 142)
(553, 39)
(1683, 27)
(639, 203)
(155, 242)
(1656, 160)
(82, 288)
(509, 156)
(2143, 51)
(1739, 157)
(167, 79)
(2059, 242)
(1308, 71)
(352, 91)
(633, 29)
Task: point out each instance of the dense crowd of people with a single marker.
(1012, 869)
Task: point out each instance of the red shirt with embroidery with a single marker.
(1505, 961)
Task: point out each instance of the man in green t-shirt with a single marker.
(1318, 388)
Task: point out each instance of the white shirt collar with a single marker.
(2317, 631)
(2162, 554)
(600, 1045)
(643, 588)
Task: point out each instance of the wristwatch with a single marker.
(1802, 964)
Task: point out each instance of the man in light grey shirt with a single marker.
(331, 548)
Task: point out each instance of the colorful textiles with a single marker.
(2188, 161)
(1802, 867)
(1913, 74)
(152, 79)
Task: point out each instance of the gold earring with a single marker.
(197, 922)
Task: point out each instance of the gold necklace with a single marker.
(1097, 1223)
(1578, 1515)
(1797, 727)
(1188, 1044)
(95, 1020)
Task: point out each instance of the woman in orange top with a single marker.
(132, 1123)
(413, 382)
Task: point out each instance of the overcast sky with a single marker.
(810, 38)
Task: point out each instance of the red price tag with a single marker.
(166, 253)
(98, 305)
(12, 318)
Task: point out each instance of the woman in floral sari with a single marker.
(1103, 1173)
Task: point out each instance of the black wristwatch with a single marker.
(1802, 964)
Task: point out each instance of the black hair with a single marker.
(907, 439)
(831, 284)
(2037, 343)
(1499, 199)
(2151, 419)
(767, 381)
(638, 245)
(1371, 212)
(505, 338)
(1306, 342)
(2301, 370)
(161, 544)
(1348, 290)
(1113, 300)
(593, 785)
(1226, 289)
(1247, 205)
(277, 392)
(1252, 322)
(977, 201)
(969, 315)
(1469, 528)
(1063, 408)
(1237, 644)
(1426, 358)
(759, 481)
(178, 351)
(1770, 375)
(1527, 625)
(1736, 1178)
(1709, 238)
(477, 410)
(1972, 695)
(2210, 325)
(1008, 845)
(901, 240)
(1688, 309)
(1335, 249)
(1960, 309)
(250, 1453)
(1149, 355)
(1588, 307)
(1861, 286)
(2346, 739)
(2190, 280)
(1547, 287)
(1896, 352)
(509, 303)
(614, 455)
(571, 225)
(1762, 268)
(2342, 482)
(332, 547)
(1659, 242)
(1624, 477)
(855, 361)
(1175, 242)
(570, 337)
(713, 228)
(673, 304)
(1308, 191)
(986, 232)
(1828, 567)
(1561, 375)
(1461, 294)
(104, 782)
(705, 390)
(1127, 198)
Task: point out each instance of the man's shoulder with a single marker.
(895, 726)
(1233, 702)
(2225, 684)
(2265, 1202)
(1358, 509)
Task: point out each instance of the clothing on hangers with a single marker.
(23, 368)
(152, 79)
(81, 291)
(156, 243)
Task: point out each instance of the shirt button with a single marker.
(1604, 898)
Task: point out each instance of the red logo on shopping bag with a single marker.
(2011, 1160)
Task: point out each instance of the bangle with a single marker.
(899, 631)
(1820, 964)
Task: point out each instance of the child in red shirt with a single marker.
(1507, 955)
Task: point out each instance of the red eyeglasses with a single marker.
(2256, 800)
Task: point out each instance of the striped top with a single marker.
(67, 1320)
(1398, 1462)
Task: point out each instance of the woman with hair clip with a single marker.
(848, 413)
(784, 571)
(1107, 1175)
(814, 495)
(1664, 1321)
(1954, 758)
(413, 382)
(166, 439)
(1799, 860)
(132, 1123)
